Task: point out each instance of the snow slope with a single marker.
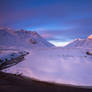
(60, 65)
(85, 43)
(7, 55)
(22, 39)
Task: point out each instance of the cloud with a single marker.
(47, 36)
(60, 12)
(56, 20)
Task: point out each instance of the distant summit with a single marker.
(21, 39)
(84, 43)
(90, 37)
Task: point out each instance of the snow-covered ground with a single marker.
(56, 64)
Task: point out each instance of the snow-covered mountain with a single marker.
(84, 43)
(58, 65)
(22, 39)
(68, 65)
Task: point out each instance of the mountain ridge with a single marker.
(22, 39)
(83, 43)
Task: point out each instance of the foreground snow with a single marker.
(60, 65)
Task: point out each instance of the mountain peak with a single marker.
(22, 39)
(90, 37)
(26, 32)
(85, 43)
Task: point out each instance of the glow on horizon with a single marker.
(59, 43)
(90, 37)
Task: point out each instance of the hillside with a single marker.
(22, 39)
(83, 43)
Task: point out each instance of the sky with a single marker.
(58, 21)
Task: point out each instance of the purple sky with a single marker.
(56, 20)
